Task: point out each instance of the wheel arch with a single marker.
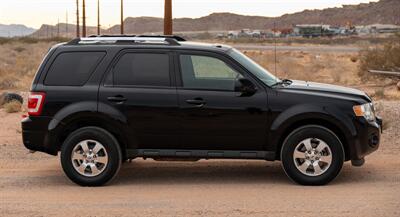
(65, 122)
(329, 118)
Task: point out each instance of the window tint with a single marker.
(203, 72)
(149, 69)
(72, 68)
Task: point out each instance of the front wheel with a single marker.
(91, 156)
(312, 155)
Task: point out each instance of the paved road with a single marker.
(311, 48)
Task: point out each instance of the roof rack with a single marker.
(137, 39)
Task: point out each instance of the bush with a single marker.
(380, 93)
(12, 107)
(386, 58)
(7, 83)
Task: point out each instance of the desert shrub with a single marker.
(19, 49)
(354, 59)
(379, 93)
(386, 58)
(8, 83)
(4, 40)
(12, 107)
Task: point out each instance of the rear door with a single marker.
(140, 86)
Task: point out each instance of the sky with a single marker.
(34, 13)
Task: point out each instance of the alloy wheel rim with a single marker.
(312, 157)
(89, 158)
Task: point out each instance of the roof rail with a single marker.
(178, 38)
(140, 39)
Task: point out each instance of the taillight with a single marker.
(35, 103)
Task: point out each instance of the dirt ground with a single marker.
(34, 185)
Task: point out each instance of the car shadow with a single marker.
(149, 172)
(208, 172)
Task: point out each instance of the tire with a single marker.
(318, 166)
(96, 166)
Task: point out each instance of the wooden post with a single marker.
(78, 34)
(98, 17)
(122, 17)
(83, 19)
(168, 17)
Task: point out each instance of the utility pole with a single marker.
(83, 19)
(77, 19)
(58, 27)
(122, 17)
(98, 17)
(66, 23)
(168, 17)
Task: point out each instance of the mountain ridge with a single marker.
(12, 30)
(383, 11)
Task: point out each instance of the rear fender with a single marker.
(85, 114)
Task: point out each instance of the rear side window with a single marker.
(73, 68)
(148, 69)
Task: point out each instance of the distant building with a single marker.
(383, 28)
(312, 30)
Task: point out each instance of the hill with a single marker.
(384, 11)
(15, 30)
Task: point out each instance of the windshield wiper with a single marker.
(283, 82)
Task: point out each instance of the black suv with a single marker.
(103, 100)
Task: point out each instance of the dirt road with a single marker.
(310, 48)
(34, 185)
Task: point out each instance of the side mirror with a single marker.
(245, 87)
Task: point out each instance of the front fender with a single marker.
(309, 114)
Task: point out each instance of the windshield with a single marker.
(261, 73)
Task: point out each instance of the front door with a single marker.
(213, 115)
(140, 87)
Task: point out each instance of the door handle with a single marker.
(199, 102)
(117, 99)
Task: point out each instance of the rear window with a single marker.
(148, 69)
(73, 68)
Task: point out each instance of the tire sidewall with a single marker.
(299, 135)
(110, 144)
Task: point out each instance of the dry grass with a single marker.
(319, 67)
(386, 57)
(12, 107)
(19, 62)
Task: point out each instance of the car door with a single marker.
(213, 115)
(140, 87)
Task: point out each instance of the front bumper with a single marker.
(35, 135)
(367, 140)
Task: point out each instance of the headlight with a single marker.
(366, 110)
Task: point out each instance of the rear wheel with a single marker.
(312, 155)
(91, 156)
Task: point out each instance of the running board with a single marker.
(203, 154)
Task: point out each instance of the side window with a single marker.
(149, 69)
(72, 68)
(203, 72)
